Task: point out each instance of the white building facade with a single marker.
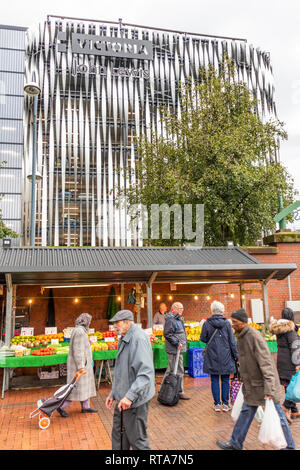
(102, 85)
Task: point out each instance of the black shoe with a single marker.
(62, 413)
(225, 445)
(89, 410)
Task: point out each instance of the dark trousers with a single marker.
(215, 388)
(134, 429)
(245, 419)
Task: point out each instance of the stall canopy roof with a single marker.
(65, 265)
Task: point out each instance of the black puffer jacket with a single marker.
(288, 343)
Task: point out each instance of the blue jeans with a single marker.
(245, 419)
(215, 388)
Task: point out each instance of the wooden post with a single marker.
(122, 297)
(8, 315)
(149, 299)
(265, 303)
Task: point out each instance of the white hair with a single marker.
(217, 307)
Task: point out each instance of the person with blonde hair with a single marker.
(221, 355)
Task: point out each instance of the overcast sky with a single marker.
(272, 25)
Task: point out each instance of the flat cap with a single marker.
(122, 315)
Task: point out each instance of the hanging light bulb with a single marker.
(243, 296)
(208, 297)
(196, 297)
(158, 297)
(76, 300)
(170, 297)
(119, 299)
(232, 296)
(30, 301)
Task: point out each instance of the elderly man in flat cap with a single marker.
(133, 384)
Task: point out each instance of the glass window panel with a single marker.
(12, 61)
(12, 39)
(10, 181)
(10, 205)
(11, 131)
(11, 106)
(11, 83)
(12, 155)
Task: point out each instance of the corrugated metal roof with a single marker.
(81, 265)
(118, 258)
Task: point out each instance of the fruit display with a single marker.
(193, 333)
(35, 341)
(109, 334)
(157, 332)
(99, 346)
(256, 326)
(98, 334)
(43, 352)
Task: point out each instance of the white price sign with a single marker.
(91, 330)
(54, 341)
(51, 330)
(109, 340)
(158, 327)
(27, 331)
(93, 339)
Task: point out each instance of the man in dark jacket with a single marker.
(260, 381)
(175, 338)
(221, 354)
(288, 360)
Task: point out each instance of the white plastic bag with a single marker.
(270, 432)
(259, 415)
(236, 409)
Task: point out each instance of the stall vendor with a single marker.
(159, 317)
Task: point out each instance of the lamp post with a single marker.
(32, 89)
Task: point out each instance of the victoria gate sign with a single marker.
(106, 46)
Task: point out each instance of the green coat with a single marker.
(258, 369)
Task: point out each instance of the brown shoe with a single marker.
(184, 397)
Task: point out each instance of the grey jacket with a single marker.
(134, 376)
(174, 333)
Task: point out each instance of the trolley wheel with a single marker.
(44, 422)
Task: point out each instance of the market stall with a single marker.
(49, 267)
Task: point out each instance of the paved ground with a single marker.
(191, 425)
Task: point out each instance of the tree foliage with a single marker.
(217, 151)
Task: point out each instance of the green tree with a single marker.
(217, 152)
